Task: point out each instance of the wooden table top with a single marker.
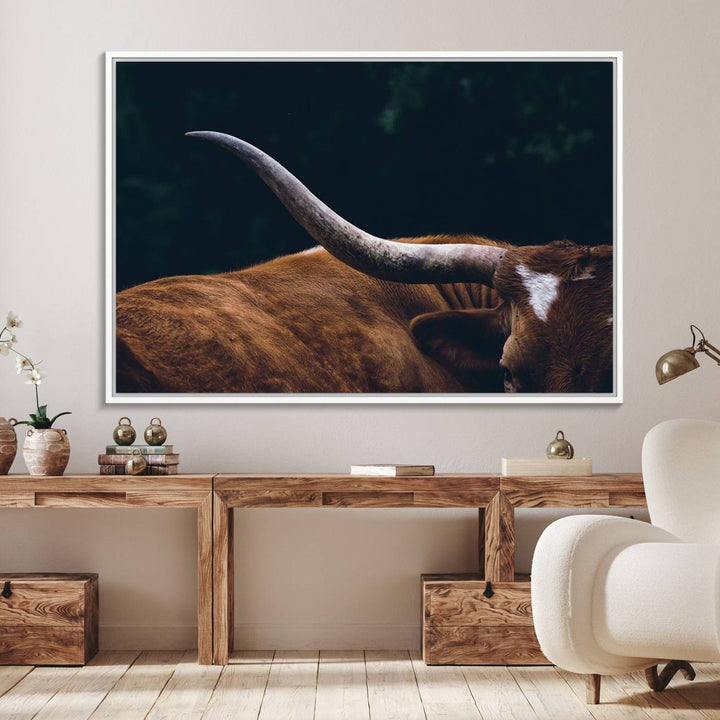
(26, 491)
(444, 490)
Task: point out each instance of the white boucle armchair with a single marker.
(613, 595)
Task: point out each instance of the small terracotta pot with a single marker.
(46, 452)
(8, 444)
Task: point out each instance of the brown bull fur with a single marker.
(309, 323)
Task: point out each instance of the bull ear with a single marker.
(469, 343)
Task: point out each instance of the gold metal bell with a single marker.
(155, 434)
(124, 433)
(136, 463)
(560, 448)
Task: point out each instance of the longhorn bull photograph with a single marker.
(208, 303)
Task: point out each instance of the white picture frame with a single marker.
(112, 396)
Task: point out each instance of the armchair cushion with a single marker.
(659, 600)
(567, 559)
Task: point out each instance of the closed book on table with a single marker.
(48, 618)
(144, 449)
(149, 470)
(547, 467)
(392, 470)
(110, 459)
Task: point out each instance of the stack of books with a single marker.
(160, 459)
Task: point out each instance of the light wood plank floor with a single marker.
(349, 685)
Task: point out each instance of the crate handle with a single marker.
(488, 592)
(6, 592)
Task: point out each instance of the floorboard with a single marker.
(138, 689)
(343, 685)
(26, 699)
(11, 675)
(187, 693)
(497, 694)
(87, 688)
(444, 692)
(548, 694)
(290, 691)
(240, 691)
(392, 688)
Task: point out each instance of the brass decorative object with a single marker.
(678, 362)
(560, 448)
(136, 463)
(124, 433)
(155, 433)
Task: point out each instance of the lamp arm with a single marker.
(710, 350)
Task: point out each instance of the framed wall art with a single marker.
(404, 228)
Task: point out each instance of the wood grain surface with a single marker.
(205, 578)
(28, 645)
(502, 645)
(594, 491)
(499, 540)
(358, 491)
(444, 691)
(49, 619)
(103, 483)
(43, 602)
(127, 491)
(345, 689)
(464, 604)
(223, 580)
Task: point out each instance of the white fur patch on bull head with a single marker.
(542, 289)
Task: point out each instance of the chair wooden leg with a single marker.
(659, 682)
(592, 689)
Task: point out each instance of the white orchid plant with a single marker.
(29, 369)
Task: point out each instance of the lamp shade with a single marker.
(675, 363)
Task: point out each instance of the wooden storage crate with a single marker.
(48, 618)
(461, 626)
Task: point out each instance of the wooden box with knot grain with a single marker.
(467, 621)
(48, 618)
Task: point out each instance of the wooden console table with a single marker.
(125, 491)
(495, 497)
(215, 498)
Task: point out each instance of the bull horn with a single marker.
(384, 259)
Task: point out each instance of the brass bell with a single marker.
(155, 433)
(560, 448)
(136, 463)
(124, 433)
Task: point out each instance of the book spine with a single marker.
(144, 449)
(112, 469)
(173, 459)
(162, 470)
(149, 470)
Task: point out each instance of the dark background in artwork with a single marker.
(517, 151)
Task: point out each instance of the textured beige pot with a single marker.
(46, 452)
(8, 444)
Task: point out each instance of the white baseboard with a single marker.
(265, 637)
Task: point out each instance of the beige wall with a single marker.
(315, 577)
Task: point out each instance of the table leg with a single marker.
(481, 542)
(500, 540)
(223, 581)
(205, 579)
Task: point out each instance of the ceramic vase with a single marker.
(8, 445)
(46, 452)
